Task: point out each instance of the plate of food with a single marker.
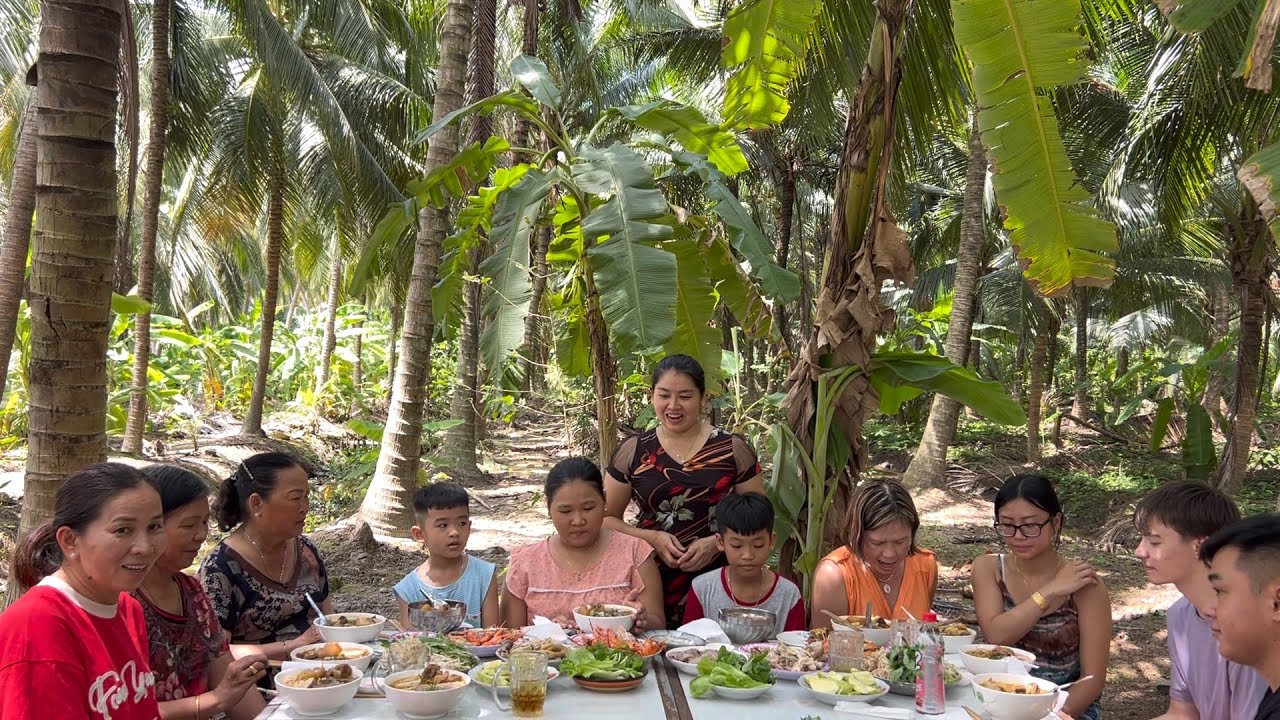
(485, 642)
(686, 659)
(897, 666)
(553, 649)
(484, 674)
(408, 650)
(734, 675)
(834, 687)
(878, 632)
(601, 668)
(788, 663)
(620, 639)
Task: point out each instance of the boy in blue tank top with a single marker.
(443, 512)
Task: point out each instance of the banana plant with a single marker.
(633, 272)
(801, 487)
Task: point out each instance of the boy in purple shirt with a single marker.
(1174, 521)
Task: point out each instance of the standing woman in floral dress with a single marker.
(676, 473)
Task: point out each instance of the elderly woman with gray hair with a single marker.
(880, 562)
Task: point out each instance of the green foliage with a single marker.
(764, 42)
(1018, 51)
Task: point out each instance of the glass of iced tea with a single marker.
(528, 684)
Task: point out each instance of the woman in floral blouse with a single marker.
(196, 676)
(676, 473)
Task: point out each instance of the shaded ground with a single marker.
(1098, 483)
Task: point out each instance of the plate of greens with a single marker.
(733, 676)
(899, 670)
(604, 669)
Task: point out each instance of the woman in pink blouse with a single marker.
(582, 562)
(195, 674)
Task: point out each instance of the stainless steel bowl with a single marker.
(748, 625)
(428, 617)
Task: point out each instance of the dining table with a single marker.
(663, 694)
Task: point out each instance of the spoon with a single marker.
(1073, 682)
(868, 618)
(314, 606)
(839, 620)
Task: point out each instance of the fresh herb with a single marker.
(601, 662)
(732, 670)
(903, 662)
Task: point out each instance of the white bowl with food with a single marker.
(979, 658)
(835, 687)
(956, 636)
(350, 627)
(879, 632)
(431, 692)
(1014, 697)
(686, 659)
(604, 615)
(485, 675)
(354, 654)
(318, 691)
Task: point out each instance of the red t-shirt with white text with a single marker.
(63, 656)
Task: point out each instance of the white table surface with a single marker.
(786, 701)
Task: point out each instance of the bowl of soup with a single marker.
(604, 615)
(1014, 697)
(431, 692)
(350, 627)
(354, 654)
(319, 690)
(957, 636)
(878, 632)
(979, 659)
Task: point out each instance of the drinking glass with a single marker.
(845, 650)
(528, 684)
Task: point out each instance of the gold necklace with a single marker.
(728, 580)
(1017, 567)
(284, 558)
(681, 457)
(887, 585)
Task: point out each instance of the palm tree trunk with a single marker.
(136, 424)
(270, 295)
(386, 504)
(1220, 310)
(929, 465)
(528, 46)
(1250, 266)
(357, 373)
(783, 216)
(1081, 406)
(74, 244)
(17, 236)
(330, 342)
(604, 373)
(393, 346)
(866, 249)
(533, 321)
(461, 440)
(1035, 392)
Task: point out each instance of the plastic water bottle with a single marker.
(931, 686)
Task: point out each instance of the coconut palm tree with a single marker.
(386, 505)
(74, 242)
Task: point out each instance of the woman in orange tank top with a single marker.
(880, 562)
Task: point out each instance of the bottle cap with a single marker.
(931, 616)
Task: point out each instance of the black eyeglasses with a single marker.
(1029, 530)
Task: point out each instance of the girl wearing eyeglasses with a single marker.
(1033, 598)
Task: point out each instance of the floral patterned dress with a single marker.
(254, 608)
(183, 646)
(681, 498)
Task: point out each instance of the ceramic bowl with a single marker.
(419, 704)
(361, 655)
(315, 702)
(588, 623)
(1014, 706)
(980, 665)
(354, 633)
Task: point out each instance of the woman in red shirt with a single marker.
(74, 647)
(190, 653)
